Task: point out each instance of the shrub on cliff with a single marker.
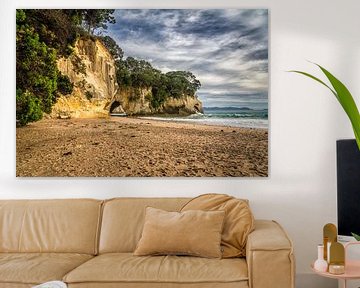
(28, 107)
(64, 85)
(36, 69)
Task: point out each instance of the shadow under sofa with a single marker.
(90, 243)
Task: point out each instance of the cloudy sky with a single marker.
(227, 50)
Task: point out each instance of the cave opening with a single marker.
(114, 106)
(197, 108)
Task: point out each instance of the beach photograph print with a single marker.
(142, 92)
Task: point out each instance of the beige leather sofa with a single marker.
(89, 243)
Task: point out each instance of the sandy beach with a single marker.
(118, 147)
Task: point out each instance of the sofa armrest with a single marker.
(269, 256)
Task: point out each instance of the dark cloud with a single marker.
(261, 54)
(209, 24)
(226, 49)
(133, 28)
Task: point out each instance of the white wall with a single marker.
(305, 120)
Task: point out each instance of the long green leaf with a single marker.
(345, 98)
(347, 102)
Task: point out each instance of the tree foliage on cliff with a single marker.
(42, 36)
(97, 18)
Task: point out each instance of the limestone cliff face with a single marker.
(134, 101)
(183, 106)
(137, 101)
(92, 70)
(96, 93)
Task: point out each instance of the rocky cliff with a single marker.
(92, 70)
(96, 93)
(137, 101)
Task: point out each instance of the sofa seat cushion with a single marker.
(127, 268)
(36, 268)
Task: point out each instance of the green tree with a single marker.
(28, 107)
(64, 85)
(141, 74)
(57, 28)
(97, 18)
(123, 75)
(159, 91)
(182, 83)
(35, 66)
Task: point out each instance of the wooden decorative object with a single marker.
(330, 236)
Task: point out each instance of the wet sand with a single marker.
(119, 147)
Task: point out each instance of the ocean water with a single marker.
(225, 116)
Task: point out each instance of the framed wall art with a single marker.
(142, 93)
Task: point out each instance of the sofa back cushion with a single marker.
(123, 220)
(66, 226)
(238, 224)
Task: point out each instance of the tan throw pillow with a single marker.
(239, 220)
(196, 233)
